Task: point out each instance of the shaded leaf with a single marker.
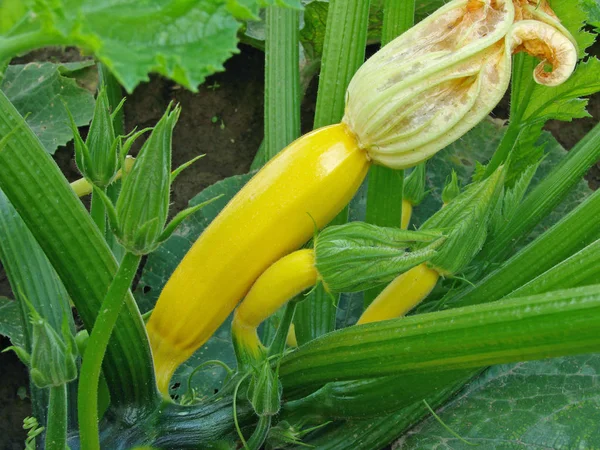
(162, 262)
(542, 404)
(10, 322)
(592, 10)
(40, 92)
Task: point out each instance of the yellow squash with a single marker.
(307, 184)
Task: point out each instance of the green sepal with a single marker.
(285, 434)
(414, 185)
(53, 356)
(451, 189)
(100, 141)
(21, 353)
(130, 139)
(184, 166)
(82, 153)
(170, 228)
(143, 204)
(357, 256)
(465, 222)
(264, 390)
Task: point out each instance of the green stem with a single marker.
(78, 252)
(278, 345)
(343, 54)
(98, 212)
(282, 79)
(555, 324)
(384, 194)
(578, 229)
(92, 363)
(22, 43)
(545, 196)
(398, 17)
(517, 110)
(56, 426)
(115, 95)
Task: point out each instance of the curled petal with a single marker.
(548, 44)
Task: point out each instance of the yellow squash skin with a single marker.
(281, 282)
(308, 183)
(401, 295)
(407, 208)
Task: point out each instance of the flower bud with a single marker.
(432, 84)
(53, 356)
(451, 189)
(264, 391)
(96, 158)
(414, 185)
(143, 204)
(359, 256)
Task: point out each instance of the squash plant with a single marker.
(499, 266)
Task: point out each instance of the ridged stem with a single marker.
(56, 426)
(549, 325)
(571, 234)
(343, 54)
(384, 194)
(87, 399)
(64, 230)
(98, 212)
(545, 196)
(282, 79)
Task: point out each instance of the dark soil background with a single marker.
(224, 120)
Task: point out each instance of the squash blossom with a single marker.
(431, 85)
(415, 96)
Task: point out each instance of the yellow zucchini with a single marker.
(307, 184)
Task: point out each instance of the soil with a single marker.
(224, 121)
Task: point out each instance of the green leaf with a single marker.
(11, 12)
(563, 102)
(592, 10)
(544, 404)
(10, 322)
(184, 40)
(40, 92)
(574, 17)
(163, 261)
(312, 35)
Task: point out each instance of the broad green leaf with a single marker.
(543, 404)
(40, 92)
(11, 12)
(162, 262)
(10, 322)
(183, 40)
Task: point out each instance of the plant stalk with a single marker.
(92, 362)
(98, 212)
(56, 426)
(343, 54)
(384, 194)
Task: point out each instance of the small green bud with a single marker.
(414, 185)
(53, 357)
(97, 158)
(264, 391)
(143, 205)
(465, 221)
(358, 256)
(451, 189)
